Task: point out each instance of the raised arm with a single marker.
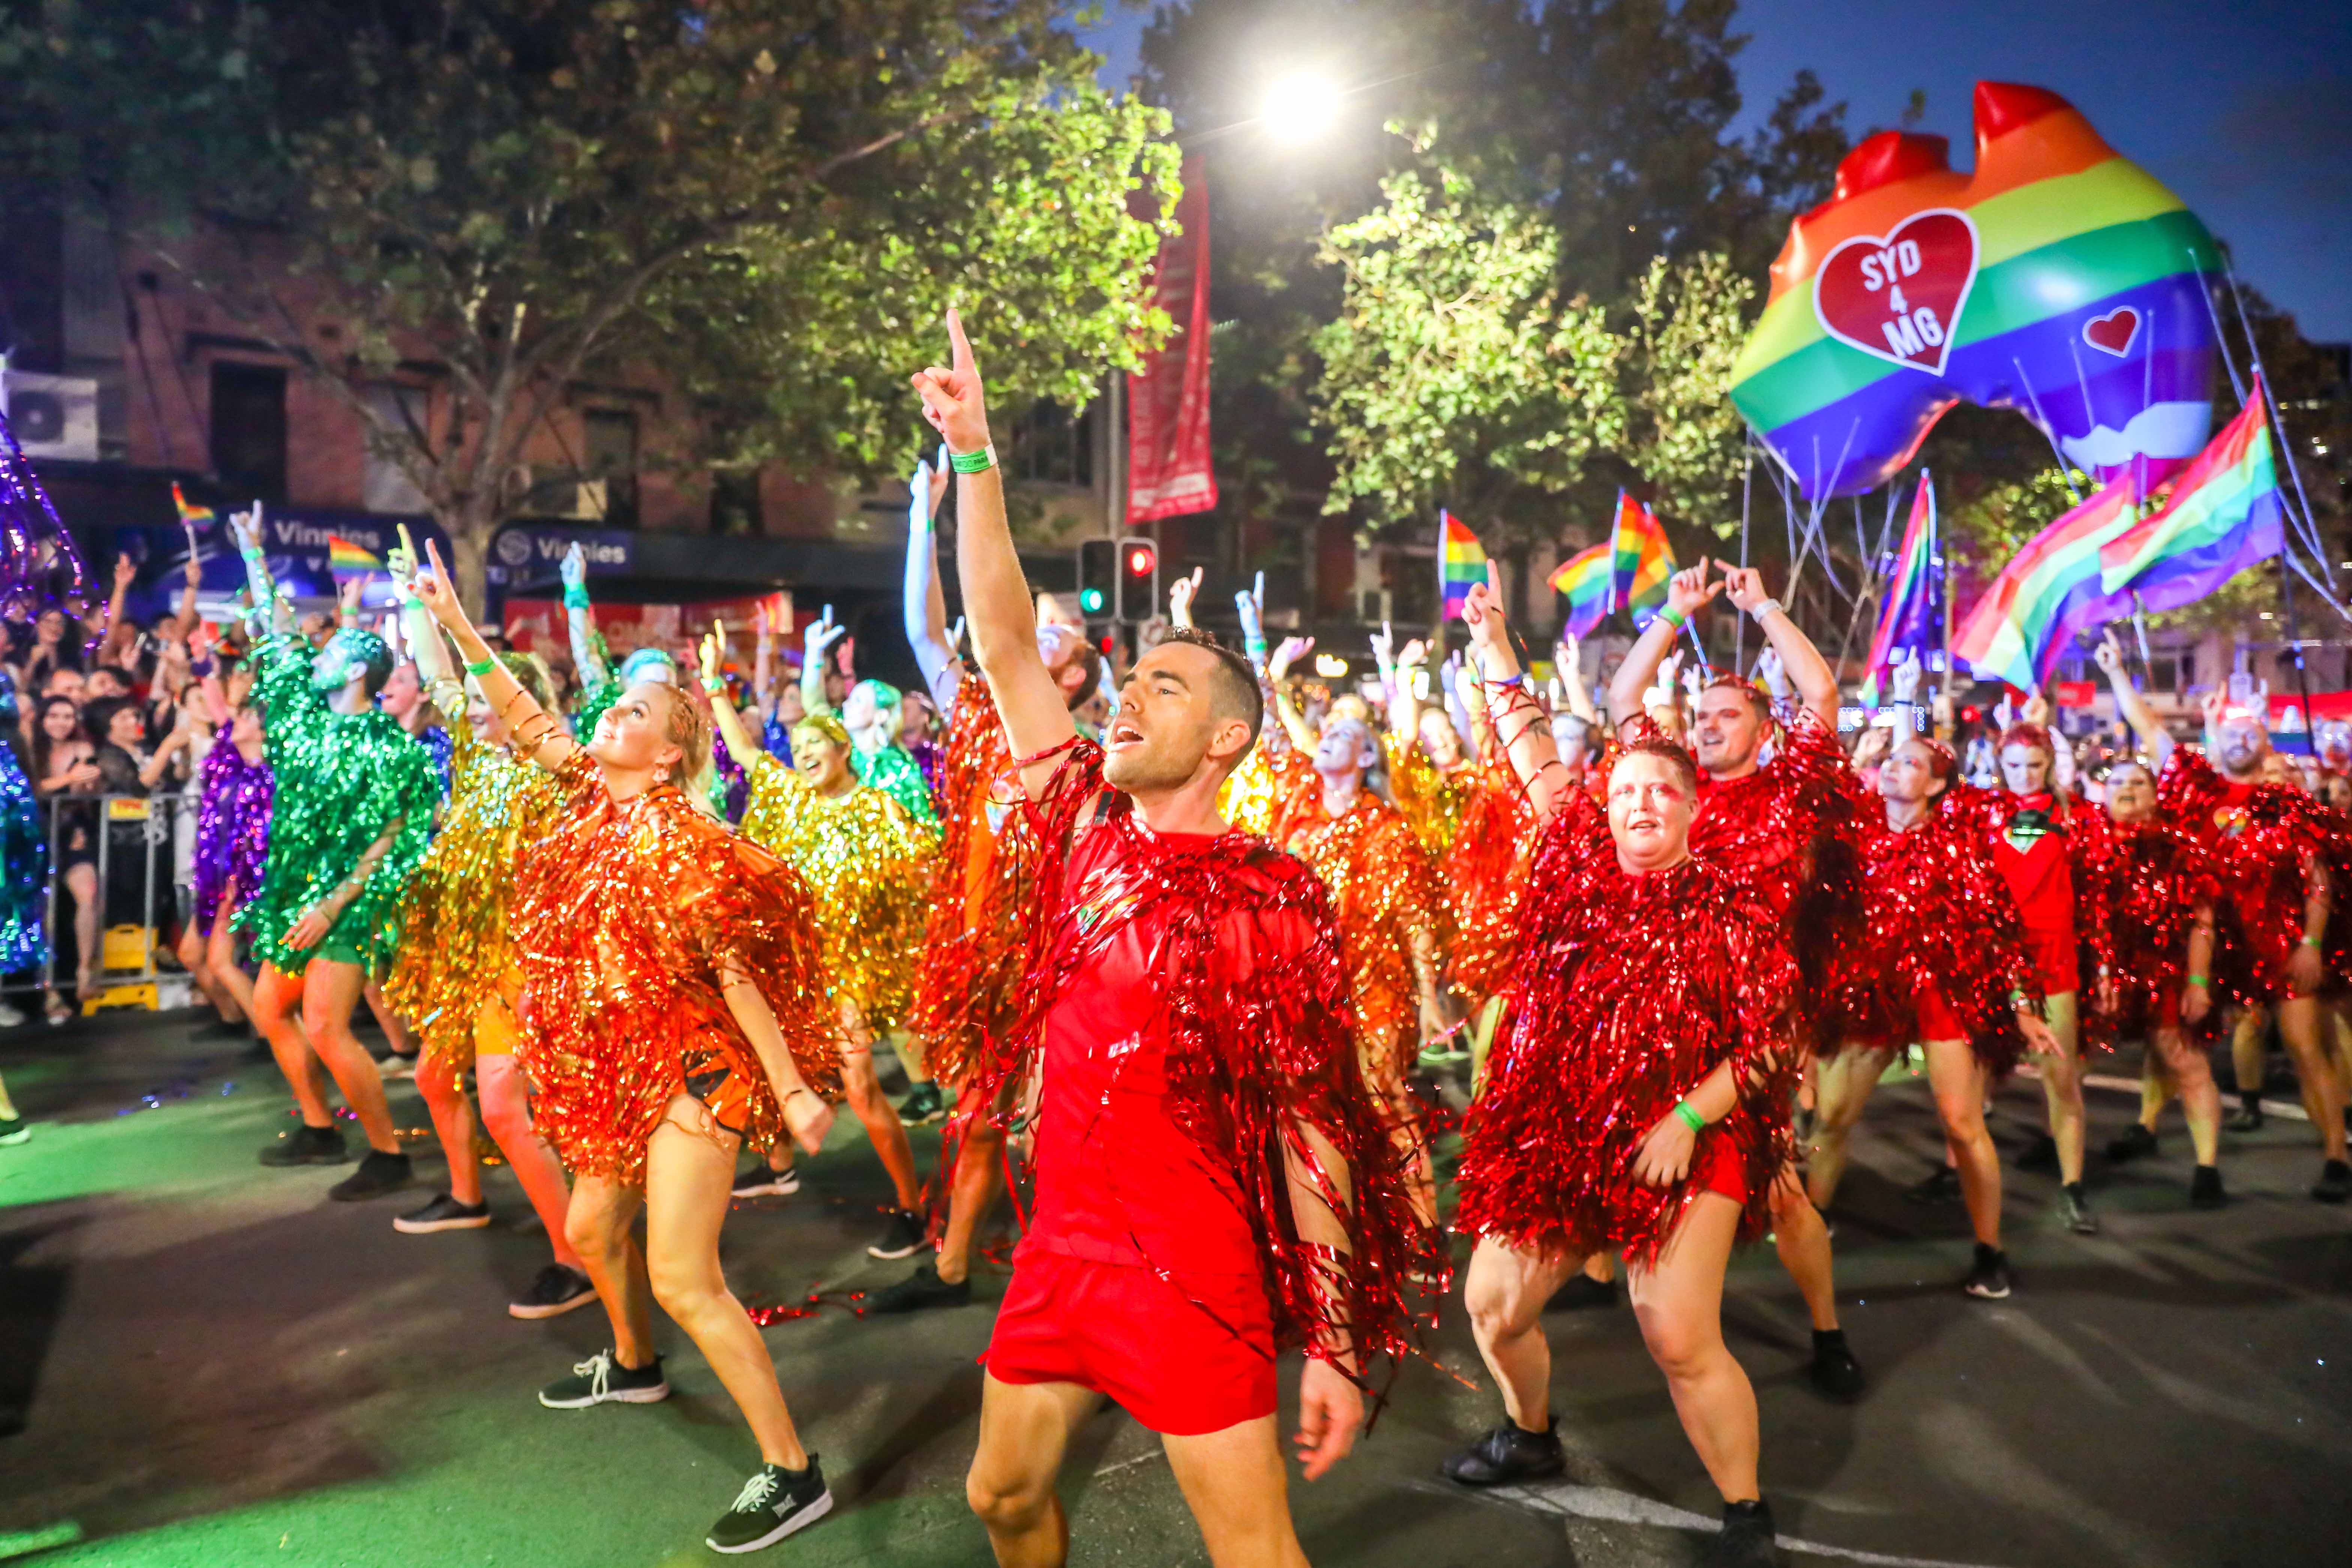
(2130, 706)
(739, 744)
(1181, 594)
(1294, 723)
(1568, 658)
(1519, 723)
(817, 647)
(1808, 671)
(528, 723)
(579, 625)
(995, 595)
(924, 603)
(1401, 674)
(1685, 592)
(424, 644)
(272, 611)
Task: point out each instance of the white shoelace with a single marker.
(757, 1491)
(598, 1370)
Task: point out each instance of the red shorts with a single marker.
(1936, 1019)
(2053, 956)
(1723, 1170)
(1182, 1359)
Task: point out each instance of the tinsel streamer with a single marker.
(1431, 800)
(2157, 880)
(730, 784)
(39, 567)
(1256, 1004)
(928, 755)
(625, 916)
(967, 989)
(454, 946)
(442, 750)
(1384, 893)
(1935, 915)
(232, 827)
(893, 771)
(1254, 792)
(2261, 838)
(1627, 993)
(341, 780)
(23, 868)
(867, 863)
(1484, 876)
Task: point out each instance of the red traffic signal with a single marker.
(1139, 579)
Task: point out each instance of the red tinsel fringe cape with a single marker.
(1259, 1042)
(2090, 851)
(624, 916)
(1627, 992)
(2156, 878)
(2259, 853)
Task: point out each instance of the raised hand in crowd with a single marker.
(1181, 594)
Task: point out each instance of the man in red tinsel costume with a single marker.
(1781, 825)
(1637, 1099)
(1213, 1178)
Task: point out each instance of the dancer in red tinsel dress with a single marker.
(1638, 1099)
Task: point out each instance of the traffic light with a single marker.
(1139, 579)
(1098, 576)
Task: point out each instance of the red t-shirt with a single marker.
(1119, 1181)
(2041, 879)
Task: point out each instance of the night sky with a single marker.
(2245, 111)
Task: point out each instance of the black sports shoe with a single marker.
(308, 1146)
(2131, 1144)
(1989, 1275)
(1747, 1538)
(773, 1504)
(759, 1182)
(600, 1380)
(219, 1028)
(2205, 1188)
(902, 1238)
(922, 1289)
(2335, 1183)
(558, 1290)
(378, 1174)
(2041, 1154)
(2077, 1207)
(1509, 1453)
(1582, 1292)
(15, 1130)
(2247, 1118)
(1835, 1371)
(1942, 1186)
(444, 1213)
(924, 1104)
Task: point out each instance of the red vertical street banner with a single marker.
(1167, 400)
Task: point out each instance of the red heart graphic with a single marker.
(2113, 331)
(1898, 296)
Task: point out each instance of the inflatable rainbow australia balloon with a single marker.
(2058, 280)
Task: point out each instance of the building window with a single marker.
(384, 485)
(609, 437)
(1052, 446)
(248, 434)
(735, 502)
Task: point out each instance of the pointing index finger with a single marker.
(959, 345)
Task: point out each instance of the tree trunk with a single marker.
(469, 525)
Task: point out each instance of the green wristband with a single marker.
(575, 595)
(2206, 980)
(1673, 618)
(2311, 942)
(1691, 1118)
(481, 668)
(978, 462)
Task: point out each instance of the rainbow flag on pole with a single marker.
(2225, 514)
(1643, 559)
(192, 518)
(1461, 563)
(1913, 616)
(345, 559)
(1587, 579)
(2047, 592)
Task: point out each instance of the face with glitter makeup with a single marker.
(1344, 748)
(1908, 774)
(1726, 731)
(1650, 811)
(2024, 769)
(2131, 793)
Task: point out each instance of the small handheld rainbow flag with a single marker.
(1461, 563)
(192, 518)
(1913, 616)
(1586, 579)
(1644, 561)
(345, 559)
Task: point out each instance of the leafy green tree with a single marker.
(763, 205)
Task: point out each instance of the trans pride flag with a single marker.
(2225, 514)
(1461, 563)
(1587, 579)
(1913, 615)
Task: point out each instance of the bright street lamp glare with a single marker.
(1301, 108)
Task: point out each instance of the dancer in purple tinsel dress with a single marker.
(232, 847)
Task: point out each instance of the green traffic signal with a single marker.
(1091, 601)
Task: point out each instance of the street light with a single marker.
(1300, 108)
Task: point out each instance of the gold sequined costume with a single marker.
(1253, 792)
(1386, 896)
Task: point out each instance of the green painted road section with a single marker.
(204, 1363)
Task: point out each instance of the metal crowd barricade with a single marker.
(134, 842)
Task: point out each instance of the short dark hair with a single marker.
(1236, 693)
(1088, 658)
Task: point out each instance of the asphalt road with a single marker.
(202, 1361)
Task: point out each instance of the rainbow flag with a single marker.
(1644, 563)
(1913, 616)
(1461, 563)
(2050, 591)
(1587, 579)
(2225, 514)
(345, 559)
(193, 518)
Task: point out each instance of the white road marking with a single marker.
(1613, 1507)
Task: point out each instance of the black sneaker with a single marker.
(308, 1146)
(444, 1213)
(1747, 1538)
(2076, 1208)
(1509, 1453)
(903, 1236)
(1834, 1371)
(378, 1174)
(922, 1289)
(1989, 1275)
(2205, 1188)
(2041, 1154)
(15, 1130)
(219, 1028)
(759, 1182)
(1583, 1293)
(558, 1290)
(2245, 1119)
(924, 1104)
(2335, 1183)
(2131, 1144)
(773, 1504)
(600, 1380)
(1942, 1186)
